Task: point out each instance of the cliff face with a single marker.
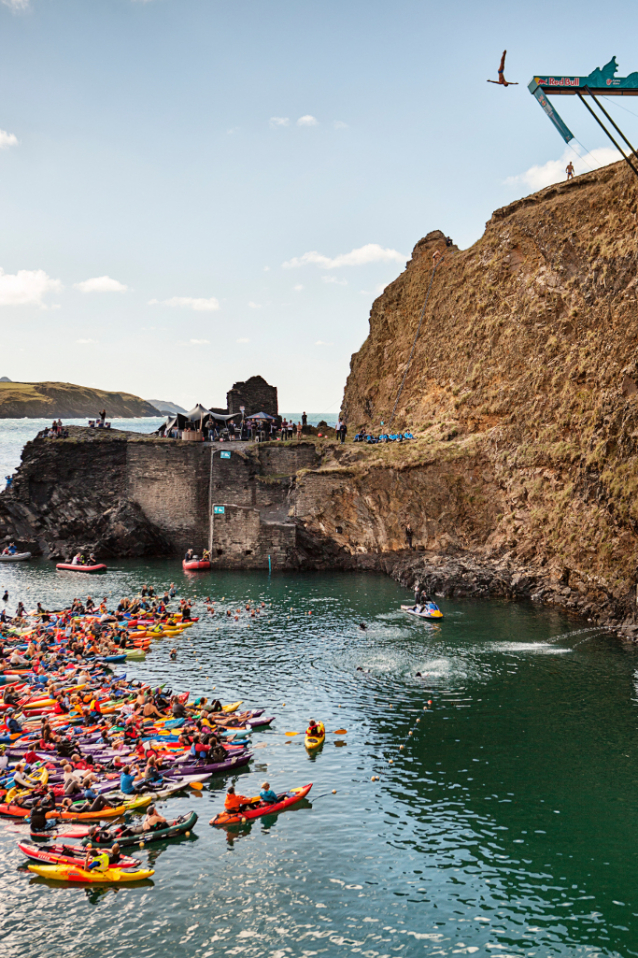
(525, 377)
(66, 401)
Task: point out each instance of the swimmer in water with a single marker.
(173, 654)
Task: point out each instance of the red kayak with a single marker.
(59, 854)
(286, 799)
(196, 565)
(69, 567)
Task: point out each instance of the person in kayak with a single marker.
(38, 820)
(267, 795)
(100, 862)
(313, 729)
(128, 783)
(153, 820)
(234, 802)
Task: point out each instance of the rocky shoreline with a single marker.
(469, 576)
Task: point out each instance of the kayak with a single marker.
(69, 567)
(16, 557)
(17, 811)
(314, 741)
(286, 799)
(58, 854)
(429, 611)
(75, 874)
(133, 834)
(196, 565)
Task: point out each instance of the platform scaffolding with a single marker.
(599, 83)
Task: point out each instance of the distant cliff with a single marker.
(66, 401)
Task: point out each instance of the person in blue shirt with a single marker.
(267, 795)
(13, 725)
(127, 781)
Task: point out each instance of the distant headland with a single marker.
(67, 401)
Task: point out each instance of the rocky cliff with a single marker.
(523, 391)
(66, 401)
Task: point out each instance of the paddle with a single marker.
(196, 785)
(338, 731)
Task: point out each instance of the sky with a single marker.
(193, 192)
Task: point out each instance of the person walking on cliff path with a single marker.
(408, 535)
(569, 169)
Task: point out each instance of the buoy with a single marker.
(141, 845)
(390, 761)
(188, 834)
(243, 821)
(429, 701)
(373, 779)
(418, 720)
(401, 747)
(283, 704)
(410, 732)
(334, 791)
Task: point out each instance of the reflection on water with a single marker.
(504, 826)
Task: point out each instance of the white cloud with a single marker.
(86, 342)
(7, 140)
(333, 279)
(101, 284)
(254, 305)
(298, 288)
(188, 302)
(307, 120)
(320, 342)
(16, 4)
(266, 269)
(233, 130)
(243, 339)
(340, 125)
(276, 121)
(27, 287)
(200, 342)
(537, 177)
(371, 253)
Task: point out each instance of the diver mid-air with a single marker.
(501, 75)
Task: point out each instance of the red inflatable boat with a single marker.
(196, 565)
(69, 567)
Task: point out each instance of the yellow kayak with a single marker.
(40, 778)
(72, 873)
(314, 741)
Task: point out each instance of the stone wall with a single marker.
(170, 483)
(255, 394)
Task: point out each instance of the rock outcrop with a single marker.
(525, 380)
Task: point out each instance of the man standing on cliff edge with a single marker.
(408, 535)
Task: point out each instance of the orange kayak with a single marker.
(286, 799)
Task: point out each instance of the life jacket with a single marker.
(101, 862)
(234, 802)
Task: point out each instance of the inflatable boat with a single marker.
(69, 567)
(196, 565)
(16, 557)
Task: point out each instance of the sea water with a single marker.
(503, 825)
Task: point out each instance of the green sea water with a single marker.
(504, 826)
